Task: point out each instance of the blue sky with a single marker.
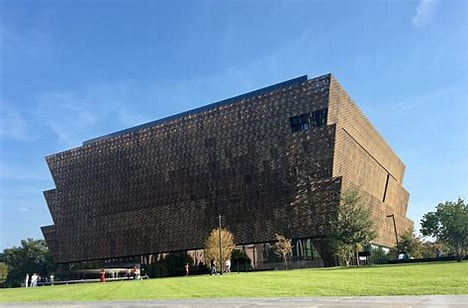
(75, 70)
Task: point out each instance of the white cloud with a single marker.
(424, 13)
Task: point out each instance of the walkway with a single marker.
(365, 301)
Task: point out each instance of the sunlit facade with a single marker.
(275, 160)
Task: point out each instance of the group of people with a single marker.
(227, 266)
(34, 279)
(31, 281)
(212, 270)
(134, 273)
(131, 273)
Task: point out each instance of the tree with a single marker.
(449, 225)
(240, 260)
(173, 264)
(3, 272)
(283, 247)
(32, 257)
(378, 255)
(410, 243)
(212, 245)
(429, 249)
(352, 227)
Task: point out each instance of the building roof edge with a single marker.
(250, 94)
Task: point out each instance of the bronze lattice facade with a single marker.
(270, 161)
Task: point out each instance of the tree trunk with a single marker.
(357, 256)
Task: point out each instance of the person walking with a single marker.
(26, 281)
(103, 276)
(137, 273)
(34, 279)
(228, 266)
(187, 269)
(213, 267)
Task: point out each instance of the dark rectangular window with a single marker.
(319, 117)
(300, 123)
(307, 120)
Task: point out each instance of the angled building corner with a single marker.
(365, 161)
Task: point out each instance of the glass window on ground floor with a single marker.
(306, 249)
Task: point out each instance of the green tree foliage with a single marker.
(409, 242)
(3, 273)
(378, 256)
(283, 248)
(240, 261)
(428, 249)
(173, 264)
(212, 245)
(415, 247)
(31, 257)
(449, 225)
(270, 255)
(352, 228)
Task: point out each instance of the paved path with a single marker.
(364, 301)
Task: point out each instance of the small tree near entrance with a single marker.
(283, 247)
(352, 228)
(212, 246)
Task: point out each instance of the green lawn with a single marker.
(449, 278)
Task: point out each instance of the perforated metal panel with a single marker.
(160, 186)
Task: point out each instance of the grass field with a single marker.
(449, 278)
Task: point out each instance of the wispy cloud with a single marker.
(65, 115)
(12, 123)
(423, 100)
(74, 115)
(19, 46)
(19, 173)
(424, 13)
(99, 108)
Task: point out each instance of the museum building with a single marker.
(274, 160)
